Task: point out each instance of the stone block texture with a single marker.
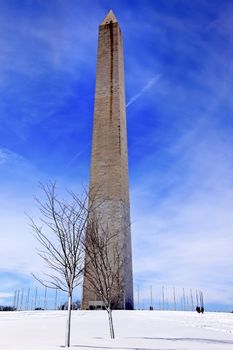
(109, 161)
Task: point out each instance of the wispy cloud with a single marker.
(16, 171)
(185, 210)
(5, 295)
(60, 42)
(7, 156)
(147, 87)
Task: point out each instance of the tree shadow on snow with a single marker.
(117, 347)
(199, 340)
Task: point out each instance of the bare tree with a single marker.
(104, 266)
(60, 235)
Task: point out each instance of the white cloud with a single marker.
(184, 233)
(60, 41)
(17, 249)
(7, 156)
(5, 295)
(147, 87)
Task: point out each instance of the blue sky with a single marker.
(179, 83)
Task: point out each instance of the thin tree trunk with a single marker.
(112, 334)
(68, 325)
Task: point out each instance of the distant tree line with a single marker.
(7, 308)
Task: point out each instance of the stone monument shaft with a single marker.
(109, 160)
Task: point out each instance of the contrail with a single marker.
(145, 88)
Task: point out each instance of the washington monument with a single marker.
(109, 159)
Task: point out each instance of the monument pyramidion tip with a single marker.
(109, 18)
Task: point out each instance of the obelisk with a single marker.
(109, 160)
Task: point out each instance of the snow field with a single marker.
(135, 330)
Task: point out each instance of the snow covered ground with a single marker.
(135, 330)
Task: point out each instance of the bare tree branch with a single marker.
(60, 234)
(104, 265)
